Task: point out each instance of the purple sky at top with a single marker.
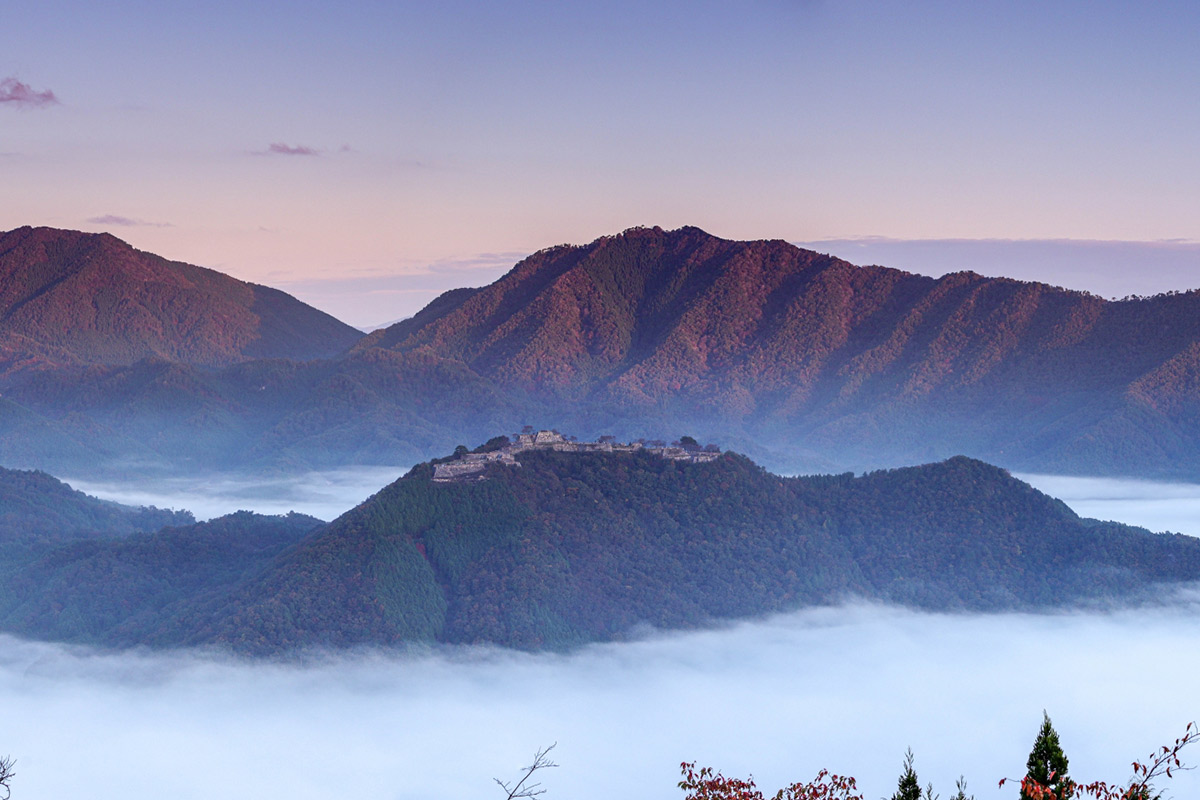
(368, 154)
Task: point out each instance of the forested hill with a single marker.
(577, 547)
(36, 507)
(144, 589)
(72, 298)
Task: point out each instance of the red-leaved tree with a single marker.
(704, 784)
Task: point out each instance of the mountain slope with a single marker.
(804, 361)
(69, 298)
(143, 589)
(36, 507)
(570, 548)
(765, 342)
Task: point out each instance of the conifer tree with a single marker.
(908, 788)
(1047, 764)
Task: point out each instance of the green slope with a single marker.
(571, 548)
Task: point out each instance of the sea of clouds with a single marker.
(846, 688)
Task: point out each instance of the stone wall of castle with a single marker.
(472, 465)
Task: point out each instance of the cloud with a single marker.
(843, 688)
(116, 219)
(20, 95)
(1154, 505)
(325, 494)
(281, 149)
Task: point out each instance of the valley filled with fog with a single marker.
(848, 689)
(845, 688)
(324, 495)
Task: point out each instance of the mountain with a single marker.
(793, 350)
(562, 548)
(806, 362)
(71, 298)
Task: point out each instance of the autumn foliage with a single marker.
(704, 784)
(1164, 762)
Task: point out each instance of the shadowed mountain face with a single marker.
(71, 298)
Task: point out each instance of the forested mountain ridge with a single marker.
(36, 507)
(143, 589)
(804, 361)
(569, 548)
(71, 298)
(786, 345)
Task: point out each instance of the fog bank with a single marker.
(325, 494)
(1154, 505)
(848, 689)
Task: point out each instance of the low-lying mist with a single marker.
(847, 689)
(324, 495)
(327, 494)
(1155, 505)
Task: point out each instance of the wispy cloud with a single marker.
(116, 219)
(20, 95)
(281, 149)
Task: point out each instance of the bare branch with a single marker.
(541, 760)
(6, 774)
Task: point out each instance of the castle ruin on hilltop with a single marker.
(469, 466)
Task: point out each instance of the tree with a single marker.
(1162, 762)
(6, 775)
(1047, 765)
(961, 786)
(908, 788)
(704, 784)
(541, 760)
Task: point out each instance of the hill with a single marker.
(142, 589)
(36, 507)
(563, 548)
(71, 298)
(570, 548)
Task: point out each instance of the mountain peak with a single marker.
(69, 297)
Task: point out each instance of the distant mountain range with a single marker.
(563, 548)
(790, 348)
(800, 359)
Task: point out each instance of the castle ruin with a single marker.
(470, 466)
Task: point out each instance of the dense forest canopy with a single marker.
(563, 548)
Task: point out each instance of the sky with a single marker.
(367, 155)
